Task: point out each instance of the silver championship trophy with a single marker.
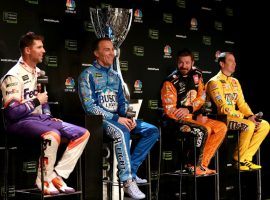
(113, 23)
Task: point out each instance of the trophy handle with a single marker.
(97, 28)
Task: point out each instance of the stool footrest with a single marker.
(37, 192)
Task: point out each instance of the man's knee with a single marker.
(52, 135)
(155, 132)
(250, 126)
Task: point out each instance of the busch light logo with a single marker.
(167, 52)
(108, 100)
(70, 85)
(71, 5)
(138, 16)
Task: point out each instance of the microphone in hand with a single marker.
(207, 108)
(130, 112)
(42, 80)
(258, 116)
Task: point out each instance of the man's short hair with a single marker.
(185, 52)
(97, 41)
(222, 56)
(28, 39)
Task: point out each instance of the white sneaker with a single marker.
(49, 188)
(61, 185)
(139, 180)
(131, 188)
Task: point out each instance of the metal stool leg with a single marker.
(159, 164)
(181, 170)
(119, 189)
(6, 163)
(259, 181)
(195, 165)
(79, 177)
(42, 168)
(239, 174)
(148, 167)
(217, 194)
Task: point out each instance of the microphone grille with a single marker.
(42, 73)
(260, 114)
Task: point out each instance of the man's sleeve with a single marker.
(169, 99)
(89, 99)
(214, 89)
(242, 104)
(14, 107)
(200, 99)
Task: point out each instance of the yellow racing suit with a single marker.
(188, 91)
(227, 95)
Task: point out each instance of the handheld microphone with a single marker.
(130, 112)
(42, 79)
(207, 108)
(259, 116)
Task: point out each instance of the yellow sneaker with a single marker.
(251, 165)
(242, 166)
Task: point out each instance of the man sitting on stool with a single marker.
(101, 93)
(27, 114)
(182, 95)
(226, 92)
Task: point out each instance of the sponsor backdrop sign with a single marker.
(159, 29)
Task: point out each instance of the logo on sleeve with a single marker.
(13, 91)
(12, 84)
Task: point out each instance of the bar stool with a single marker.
(239, 172)
(182, 172)
(14, 143)
(111, 178)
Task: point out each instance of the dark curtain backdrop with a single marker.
(159, 29)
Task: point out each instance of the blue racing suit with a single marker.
(101, 93)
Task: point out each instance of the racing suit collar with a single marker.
(26, 66)
(224, 76)
(186, 75)
(97, 65)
